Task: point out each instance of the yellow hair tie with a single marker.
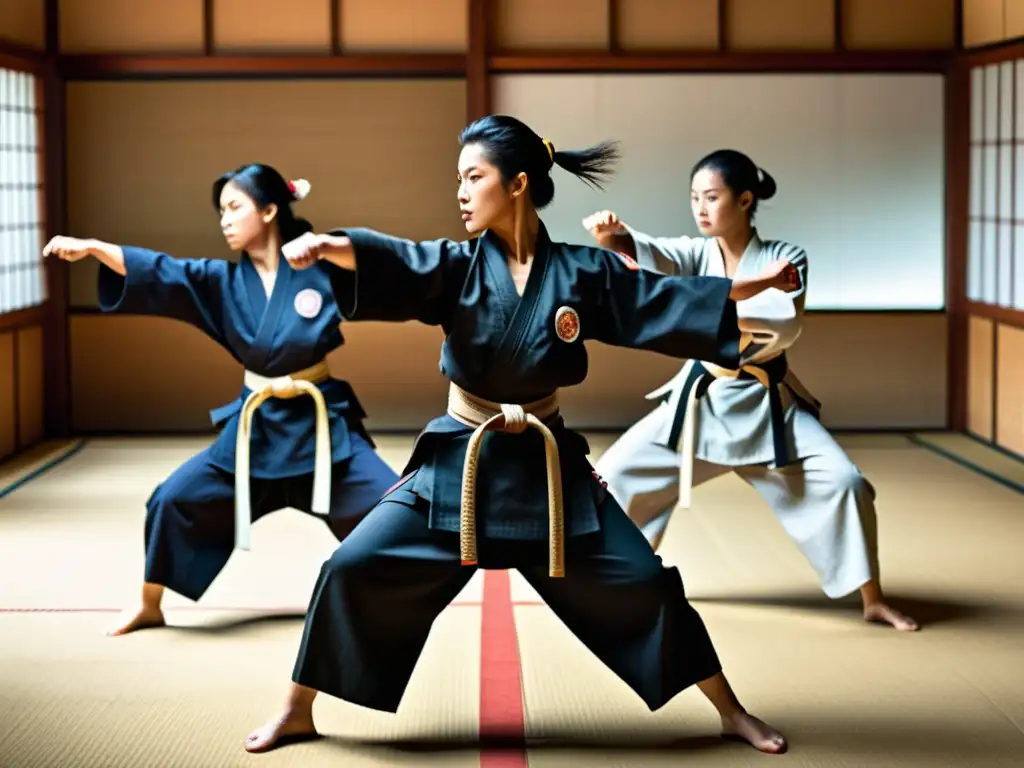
(550, 148)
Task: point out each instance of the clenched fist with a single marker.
(69, 248)
(604, 225)
(306, 250)
(782, 275)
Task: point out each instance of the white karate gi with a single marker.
(819, 496)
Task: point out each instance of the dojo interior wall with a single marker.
(391, 165)
(141, 156)
(158, 147)
(21, 331)
(988, 22)
(995, 224)
(21, 387)
(306, 26)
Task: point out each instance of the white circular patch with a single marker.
(308, 302)
(567, 324)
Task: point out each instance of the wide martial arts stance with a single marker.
(516, 309)
(759, 422)
(302, 429)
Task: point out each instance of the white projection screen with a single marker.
(859, 160)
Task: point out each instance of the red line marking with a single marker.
(171, 609)
(502, 714)
(240, 609)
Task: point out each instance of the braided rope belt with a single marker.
(487, 416)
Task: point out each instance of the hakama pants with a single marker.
(823, 502)
(378, 595)
(190, 517)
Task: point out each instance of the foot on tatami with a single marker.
(757, 733)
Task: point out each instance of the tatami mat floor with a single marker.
(845, 693)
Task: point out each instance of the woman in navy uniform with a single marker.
(294, 437)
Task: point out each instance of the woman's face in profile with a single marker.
(484, 198)
(241, 220)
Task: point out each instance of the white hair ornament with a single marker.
(299, 188)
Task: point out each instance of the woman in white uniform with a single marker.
(760, 422)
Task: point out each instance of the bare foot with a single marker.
(757, 733)
(139, 618)
(287, 729)
(880, 613)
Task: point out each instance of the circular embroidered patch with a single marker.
(308, 302)
(567, 324)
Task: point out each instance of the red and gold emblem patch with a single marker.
(567, 324)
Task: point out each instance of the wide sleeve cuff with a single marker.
(118, 293)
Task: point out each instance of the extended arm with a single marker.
(378, 277)
(144, 282)
(667, 255)
(139, 281)
(683, 317)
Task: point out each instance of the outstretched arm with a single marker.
(143, 282)
(683, 317)
(667, 255)
(378, 277)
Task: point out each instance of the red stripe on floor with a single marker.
(502, 715)
(299, 609)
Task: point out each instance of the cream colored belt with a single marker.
(487, 416)
(300, 383)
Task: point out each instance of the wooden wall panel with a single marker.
(272, 25)
(31, 400)
(899, 24)
(984, 22)
(163, 376)
(390, 163)
(911, 350)
(1010, 388)
(135, 26)
(8, 396)
(992, 21)
(407, 26)
(668, 24)
(980, 371)
(543, 24)
(394, 369)
(1013, 14)
(21, 388)
(390, 166)
(23, 22)
(781, 25)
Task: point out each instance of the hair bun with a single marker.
(766, 186)
(299, 188)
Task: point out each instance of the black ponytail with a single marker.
(515, 148)
(593, 165)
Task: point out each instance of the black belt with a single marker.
(775, 369)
